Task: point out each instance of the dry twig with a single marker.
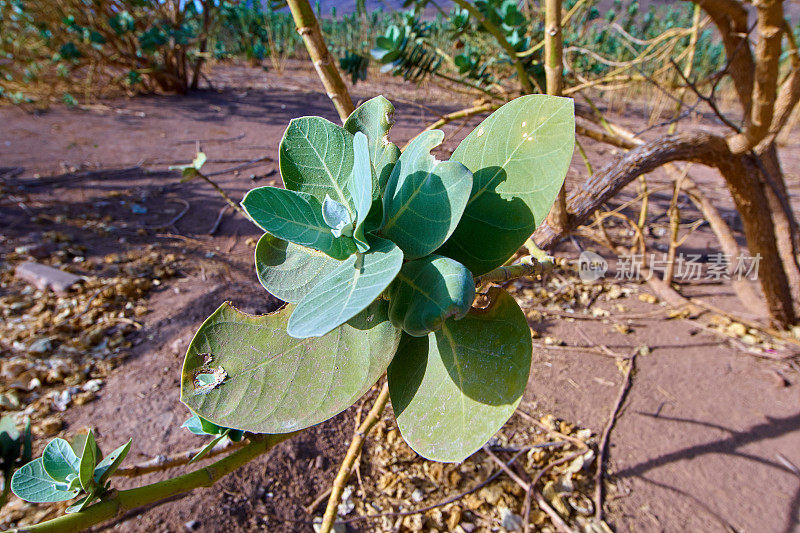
(602, 448)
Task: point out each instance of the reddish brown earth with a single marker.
(696, 447)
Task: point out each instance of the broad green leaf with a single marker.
(316, 157)
(454, 389)
(288, 271)
(347, 290)
(295, 217)
(32, 484)
(428, 291)
(88, 462)
(518, 157)
(336, 216)
(110, 463)
(276, 383)
(374, 118)
(361, 187)
(58, 460)
(424, 197)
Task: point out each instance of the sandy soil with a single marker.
(697, 446)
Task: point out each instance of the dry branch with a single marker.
(706, 149)
(353, 452)
(308, 28)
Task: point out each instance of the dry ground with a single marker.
(697, 447)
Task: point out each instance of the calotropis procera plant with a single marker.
(375, 251)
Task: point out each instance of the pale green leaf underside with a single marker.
(346, 290)
(295, 217)
(31, 483)
(335, 215)
(518, 156)
(58, 460)
(424, 198)
(276, 383)
(288, 271)
(374, 119)
(427, 291)
(454, 389)
(361, 188)
(316, 157)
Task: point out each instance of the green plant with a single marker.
(66, 470)
(376, 253)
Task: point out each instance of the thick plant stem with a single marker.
(748, 195)
(553, 69)
(350, 458)
(308, 28)
(528, 266)
(126, 500)
(553, 47)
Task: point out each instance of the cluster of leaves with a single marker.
(68, 469)
(254, 32)
(376, 253)
(406, 48)
(415, 47)
(599, 32)
(119, 44)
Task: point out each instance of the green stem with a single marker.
(525, 81)
(126, 500)
(528, 266)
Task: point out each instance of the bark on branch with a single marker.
(706, 149)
